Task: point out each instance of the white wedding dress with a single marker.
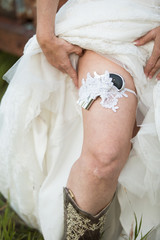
(41, 127)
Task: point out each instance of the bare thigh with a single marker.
(104, 130)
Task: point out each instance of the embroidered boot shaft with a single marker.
(80, 225)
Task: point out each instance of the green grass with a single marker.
(137, 231)
(6, 61)
(12, 227)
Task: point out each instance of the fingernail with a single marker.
(157, 78)
(135, 42)
(76, 85)
(150, 76)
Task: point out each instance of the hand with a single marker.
(57, 52)
(153, 63)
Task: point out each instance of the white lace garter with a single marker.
(103, 86)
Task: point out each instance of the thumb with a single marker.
(76, 49)
(144, 39)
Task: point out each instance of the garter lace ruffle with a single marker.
(101, 85)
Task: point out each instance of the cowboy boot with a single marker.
(80, 225)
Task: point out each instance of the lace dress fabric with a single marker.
(41, 123)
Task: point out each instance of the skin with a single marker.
(56, 50)
(153, 63)
(106, 144)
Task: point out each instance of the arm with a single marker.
(153, 63)
(46, 11)
(56, 50)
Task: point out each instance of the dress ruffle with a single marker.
(41, 130)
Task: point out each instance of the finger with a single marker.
(155, 69)
(154, 58)
(71, 72)
(56, 66)
(149, 66)
(145, 39)
(158, 76)
(61, 69)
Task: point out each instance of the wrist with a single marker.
(44, 37)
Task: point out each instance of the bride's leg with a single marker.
(106, 145)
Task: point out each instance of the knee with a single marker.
(104, 162)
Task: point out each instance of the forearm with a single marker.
(46, 11)
(55, 49)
